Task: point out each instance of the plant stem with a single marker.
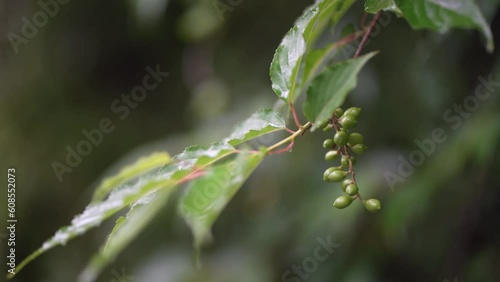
(290, 138)
(365, 37)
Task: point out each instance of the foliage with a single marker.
(214, 174)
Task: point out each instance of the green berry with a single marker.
(328, 128)
(328, 171)
(348, 121)
(331, 155)
(344, 161)
(351, 189)
(346, 183)
(328, 143)
(354, 112)
(342, 202)
(354, 160)
(341, 138)
(359, 149)
(337, 176)
(339, 112)
(323, 124)
(355, 139)
(373, 205)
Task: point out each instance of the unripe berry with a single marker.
(344, 161)
(359, 149)
(355, 139)
(328, 143)
(346, 183)
(351, 189)
(337, 175)
(331, 155)
(342, 202)
(373, 205)
(348, 121)
(341, 138)
(354, 112)
(339, 112)
(354, 160)
(328, 128)
(328, 171)
(323, 124)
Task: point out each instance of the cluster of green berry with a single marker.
(342, 144)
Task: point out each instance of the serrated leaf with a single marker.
(330, 13)
(329, 89)
(126, 229)
(260, 123)
(194, 159)
(206, 197)
(288, 57)
(197, 156)
(130, 172)
(319, 57)
(374, 6)
(315, 61)
(438, 15)
(96, 213)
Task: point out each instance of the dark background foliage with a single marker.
(441, 223)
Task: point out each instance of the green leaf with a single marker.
(316, 59)
(197, 156)
(329, 89)
(330, 13)
(374, 6)
(207, 196)
(438, 15)
(288, 57)
(260, 123)
(186, 166)
(126, 229)
(130, 172)
(192, 159)
(96, 213)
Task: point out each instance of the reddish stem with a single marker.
(365, 37)
(284, 150)
(295, 118)
(193, 175)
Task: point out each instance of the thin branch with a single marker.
(284, 150)
(367, 34)
(290, 138)
(295, 118)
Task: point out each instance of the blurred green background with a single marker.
(441, 223)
